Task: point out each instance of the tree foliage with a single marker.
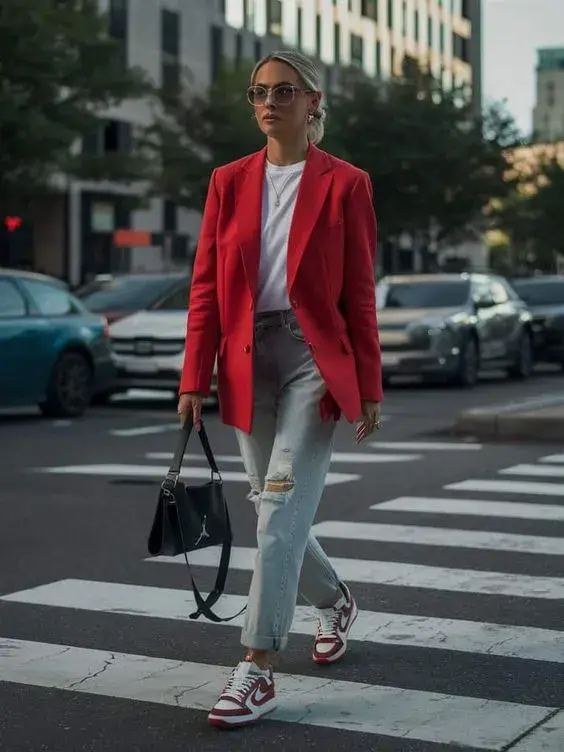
(196, 131)
(428, 153)
(59, 69)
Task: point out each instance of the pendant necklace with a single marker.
(278, 195)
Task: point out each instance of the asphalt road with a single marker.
(454, 551)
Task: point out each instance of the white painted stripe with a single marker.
(371, 626)
(548, 737)
(350, 457)
(439, 446)
(553, 458)
(308, 700)
(541, 471)
(477, 507)
(156, 471)
(144, 430)
(438, 536)
(398, 574)
(509, 487)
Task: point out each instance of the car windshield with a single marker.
(539, 292)
(135, 292)
(432, 294)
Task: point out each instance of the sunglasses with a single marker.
(282, 94)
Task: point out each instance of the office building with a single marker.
(74, 231)
(548, 114)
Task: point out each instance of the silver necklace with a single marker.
(278, 195)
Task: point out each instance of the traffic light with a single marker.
(12, 223)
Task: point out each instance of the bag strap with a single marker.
(204, 606)
(181, 444)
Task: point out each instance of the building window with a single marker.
(404, 19)
(357, 49)
(442, 38)
(169, 216)
(249, 11)
(416, 25)
(550, 94)
(238, 49)
(378, 59)
(170, 51)
(390, 14)
(466, 9)
(216, 51)
(117, 27)
(318, 35)
(369, 9)
(430, 32)
(109, 137)
(337, 43)
(274, 17)
(299, 36)
(257, 50)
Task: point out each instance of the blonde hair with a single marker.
(310, 77)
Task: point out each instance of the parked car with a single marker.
(53, 352)
(545, 298)
(119, 296)
(148, 346)
(452, 325)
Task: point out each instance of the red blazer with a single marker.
(331, 251)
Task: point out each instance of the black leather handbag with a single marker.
(189, 518)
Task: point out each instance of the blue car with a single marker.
(53, 351)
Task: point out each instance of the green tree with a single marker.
(59, 70)
(427, 152)
(196, 131)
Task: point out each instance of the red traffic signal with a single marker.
(12, 223)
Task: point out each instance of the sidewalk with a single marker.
(540, 419)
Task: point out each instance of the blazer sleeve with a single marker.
(359, 288)
(203, 324)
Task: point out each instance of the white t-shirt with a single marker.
(281, 184)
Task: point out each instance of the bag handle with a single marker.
(183, 438)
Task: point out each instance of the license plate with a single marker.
(142, 367)
(389, 359)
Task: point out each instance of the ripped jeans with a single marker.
(286, 456)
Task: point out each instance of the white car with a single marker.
(148, 350)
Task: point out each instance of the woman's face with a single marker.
(281, 101)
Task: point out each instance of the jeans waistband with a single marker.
(273, 318)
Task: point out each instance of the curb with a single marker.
(541, 419)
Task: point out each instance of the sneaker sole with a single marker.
(219, 721)
(337, 657)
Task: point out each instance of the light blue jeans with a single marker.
(286, 456)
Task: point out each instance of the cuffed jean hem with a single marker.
(257, 642)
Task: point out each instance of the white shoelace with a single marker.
(328, 619)
(239, 683)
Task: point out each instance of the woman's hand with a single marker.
(190, 408)
(370, 421)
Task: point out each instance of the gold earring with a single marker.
(310, 117)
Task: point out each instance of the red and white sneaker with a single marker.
(248, 695)
(333, 630)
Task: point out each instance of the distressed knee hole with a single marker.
(278, 485)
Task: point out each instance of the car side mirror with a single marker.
(484, 303)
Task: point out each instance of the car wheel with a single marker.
(70, 387)
(523, 366)
(468, 364)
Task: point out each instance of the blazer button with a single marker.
(247, 348)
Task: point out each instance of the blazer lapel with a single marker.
(248, 211)
(314, 186)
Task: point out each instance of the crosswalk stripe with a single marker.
(438, 446)
(144, 430)
(399, 574)
(350, 457)
(384, 628)
(547, 737)
(477, 507)
(437, 536)
(546, 471)
(553, 458)
(508, 486)
(309, 700)
(158, 471)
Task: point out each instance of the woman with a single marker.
(283, 293)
